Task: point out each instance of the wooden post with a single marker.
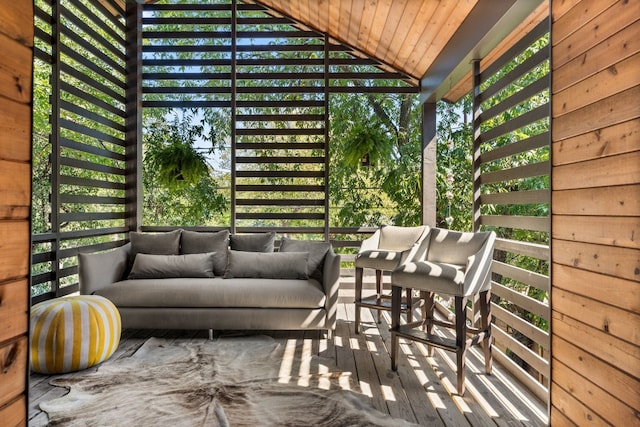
(429, 164)
(133, 137)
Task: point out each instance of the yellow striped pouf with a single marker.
(73, 333)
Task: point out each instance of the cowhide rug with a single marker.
(237, 381)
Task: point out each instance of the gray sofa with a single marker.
(176, 281)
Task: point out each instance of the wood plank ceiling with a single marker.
(404, 35)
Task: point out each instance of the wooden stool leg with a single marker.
(396, 300)
(409, 296)
(358, 290)
(378, 290)
(461, 340)
(485, 324)
(430, 305)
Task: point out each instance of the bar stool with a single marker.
(385, 250)
(455, 264)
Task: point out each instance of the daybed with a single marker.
(196, 280)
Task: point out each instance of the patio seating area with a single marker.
(423, 390)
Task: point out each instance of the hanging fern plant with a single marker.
(367, 145)
(178, 164)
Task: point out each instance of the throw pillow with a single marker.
(267, 265)
(258, 242)
(148, 266)
(194, 242)
(155, 243)
(317, 252)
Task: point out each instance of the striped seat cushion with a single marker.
(73, 333)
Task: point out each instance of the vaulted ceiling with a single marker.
(432, 42)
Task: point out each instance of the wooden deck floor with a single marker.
(422, 391)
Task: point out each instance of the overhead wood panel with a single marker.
(406, 35)
(595, 212)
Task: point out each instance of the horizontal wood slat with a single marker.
(600, 287)
(13, 378)
(14, 308)
(532, 223)
(14, 79)
(516, 197)
(87, 182)
(14, 413)
(90, 149)
(280, 202)
(523, 301)
(280, 188)
(615, 352)
(619, 384)
(279, 159)
(615, 201)
(606, 171)
(608, 319)
(87, 165)
(531, 116)
(280, 215)
(531, 278)
(617, 262)
(602, 27)
(526, 354)
(280, 146)
(280, 174)
(601, 230)
(521, 146)
(519, 172)
(90, 216)
(534, 250)
(529, 330)
(15, 138)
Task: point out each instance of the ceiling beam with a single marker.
(488, 23)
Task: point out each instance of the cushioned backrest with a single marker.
(454, 247)
(399, 238)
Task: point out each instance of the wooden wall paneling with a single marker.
(15, 412)
(614, 321)
(605, 54)
(610, 81)
(593, 396)
(606, 171)
(622, 200)
(14, 297)
(619, 384)
(13, 370)
(602, 230)
(602, 27)
(617, 353)
(569, 20)
(597, 286)
(15, 130)
(617, 139)
(615, 109)
(617, 262)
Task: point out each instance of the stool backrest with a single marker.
(454, 247)
(400, 238)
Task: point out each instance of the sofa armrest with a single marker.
(331, 284)
(97, 270)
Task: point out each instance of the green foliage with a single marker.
(178, 184)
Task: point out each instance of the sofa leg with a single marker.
(329, 334)
(210, 334)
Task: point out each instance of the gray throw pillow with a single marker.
(194, 242)
(258, 242)
(267, 265)
(155, 243)
(317, 252)
(148, 266)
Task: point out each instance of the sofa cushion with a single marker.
(155, 243)
(317, 252)
(216, 293)
(147, 266)
(257, 242)
(194, 242)
(273, 265)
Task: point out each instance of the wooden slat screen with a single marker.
(511, 196)
(80, 159)
(272, 78)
